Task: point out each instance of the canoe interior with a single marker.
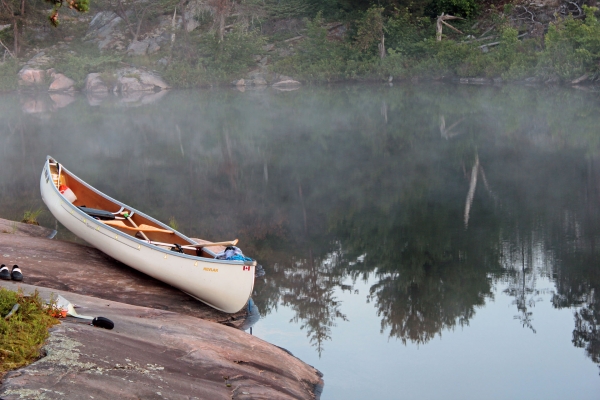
(89, 198)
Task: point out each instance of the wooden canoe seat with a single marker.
(141, 228)
(215, 248)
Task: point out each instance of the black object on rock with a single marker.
(102, 322)
(4, 272)
(16, 273)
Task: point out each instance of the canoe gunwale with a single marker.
(132, 238)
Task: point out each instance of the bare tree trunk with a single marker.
(139, 25)
(172, 35)
(382, 47)
(123, 14)
(16, 37)
(221, 9)
(221, 26)
(181, 6)
(441, 20)
(140, 18)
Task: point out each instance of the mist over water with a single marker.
(419, 241)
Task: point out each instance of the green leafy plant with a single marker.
(22, 335)
(77, 66)
(461, 8)
(173, 223)
(572, 46)
(8, 71)
(31, 216)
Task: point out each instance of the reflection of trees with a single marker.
(518, 260)
(587, 329)
(310, 293)
(358, 173)
(578, 276)
(431, 274)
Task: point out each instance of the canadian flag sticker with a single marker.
(246, 268)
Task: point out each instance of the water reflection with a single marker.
(326, 185)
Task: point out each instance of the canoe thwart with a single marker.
(210, 244)
(140, 228)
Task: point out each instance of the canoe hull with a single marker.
(224, 285)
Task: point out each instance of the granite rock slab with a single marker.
(81, 269)
(155, 354)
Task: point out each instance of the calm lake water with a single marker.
(419, 242)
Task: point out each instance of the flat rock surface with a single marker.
(155, 354)
(85, 270)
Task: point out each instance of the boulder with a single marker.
(148, 78)
(39, 60)
(138, 48)
(191, 23)
(134, 79)
(103, 30)
(61, 83)
(103, 25)
(29, 76)
(127, 80)
(241, 82)
(94, 84)
(259, 82)
(133, 84)
(153, 46)
(283, 78)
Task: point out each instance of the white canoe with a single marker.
(223, 284)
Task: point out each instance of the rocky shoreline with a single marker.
(164, 345)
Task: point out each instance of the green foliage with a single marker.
(234, 54)
(77, 66)
(281, 9)
(403, 31)
(181, 74)
(290, 9)
(459, 8)
(31, 216)
(572, 47)
(8, 72)
(78, 5)
(214, 61)
(393, 65)
(23, 334)
(320, 59)
(369, 30)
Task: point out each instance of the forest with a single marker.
(196, 43)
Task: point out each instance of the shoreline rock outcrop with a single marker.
(164, 345)
(155, 354)
(84, 270)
